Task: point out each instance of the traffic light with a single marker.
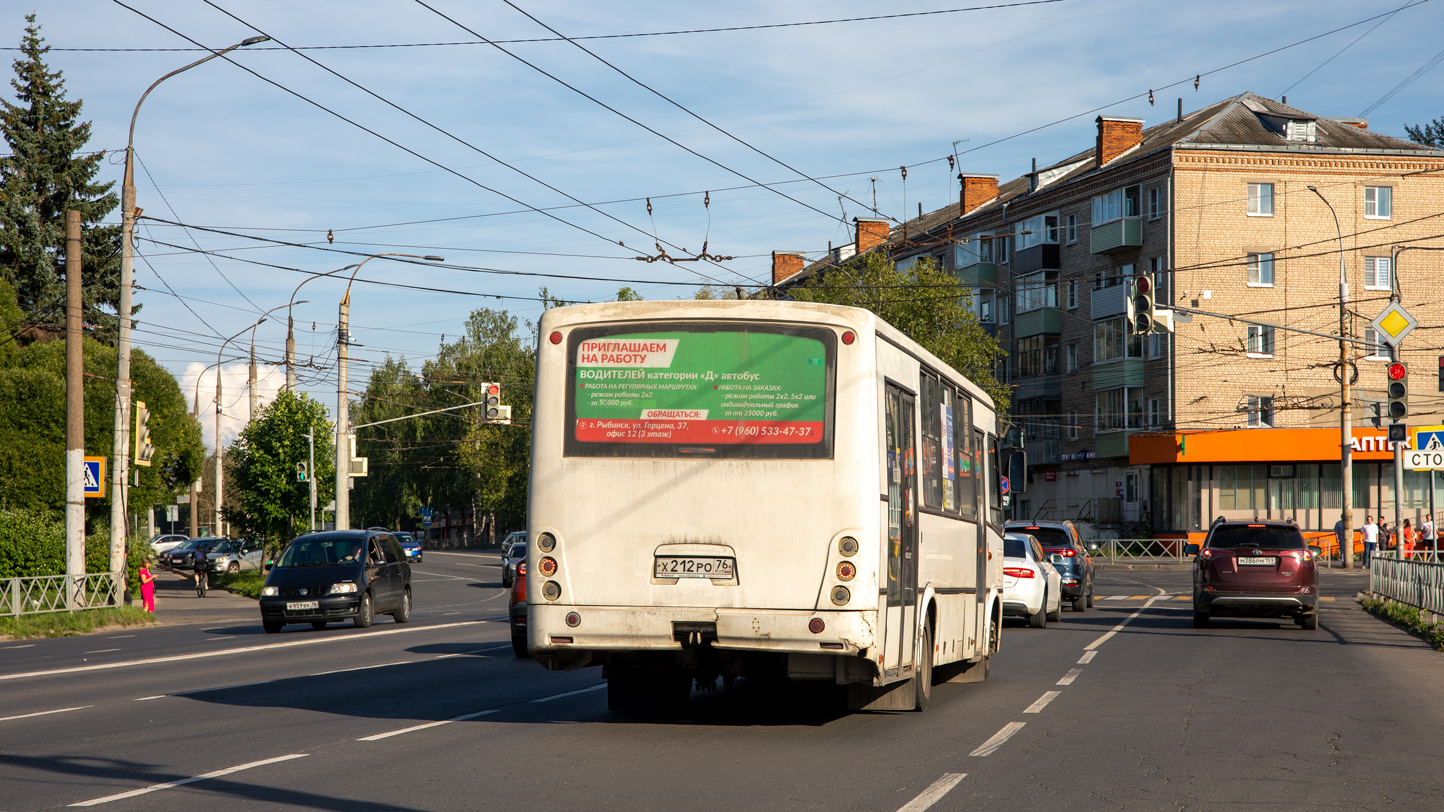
(491, 402)
(1398, 408)
(301, 472)
(143, 449)
(1140, 305)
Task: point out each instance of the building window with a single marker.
(1260, 411)
(1111, 342)
(1153, 422)
(986, 302)
(1115, 205)
(1073, 294)
(1261, 270)
(1036, 357)
(1037, 291)
(1157, 343)
(985, 247)
(1038, 230)
(1072, 425)
(1155, 204)
(1378, 202)
(1376, 273)
(1072, 228)
(1072, 358)
(1119, 409)
(1000, 250)
(1260, 341)
(1003, 308)
(1261, 199)
(1376, 349)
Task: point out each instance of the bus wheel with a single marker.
(923, 679)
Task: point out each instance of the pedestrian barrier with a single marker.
(60, 593)
(1139, 551)
(1416, 583)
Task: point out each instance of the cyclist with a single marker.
(199, 563)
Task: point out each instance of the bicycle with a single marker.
(201, 583)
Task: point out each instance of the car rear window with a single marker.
(1050, 537)
(1014, 547)
(1262, 537)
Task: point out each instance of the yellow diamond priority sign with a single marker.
(1393, 324)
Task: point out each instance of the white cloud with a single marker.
(235, 395)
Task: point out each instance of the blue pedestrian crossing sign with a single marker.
(95, 477)
(1426, 452)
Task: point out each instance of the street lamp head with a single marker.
(434, 259)
(254, 40)
(1312, 188)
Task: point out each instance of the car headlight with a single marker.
(269, 592)
(342, 589)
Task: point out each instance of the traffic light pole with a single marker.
(311, 474)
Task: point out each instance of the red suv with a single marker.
(1255, 569)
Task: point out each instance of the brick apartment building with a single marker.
(1222, 418)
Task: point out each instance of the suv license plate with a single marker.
(683, 566)
(1259, 561)
(297, 606)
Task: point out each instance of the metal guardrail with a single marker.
(60, 593)
(1416, 583)
(1139, 551)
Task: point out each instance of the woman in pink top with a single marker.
(147, 586)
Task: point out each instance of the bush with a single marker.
(32, 542)
(246, 583)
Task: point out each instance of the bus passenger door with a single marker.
(981, 495)
(902, 539)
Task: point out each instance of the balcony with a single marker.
(1113, 374)
(1043, 321)
(1044, 452)
(1041, 386)
(1110, 443)
(1109, 301)
(979, 273)
(1041, 257)
(1119, 235)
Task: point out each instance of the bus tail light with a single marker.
(1018, 572)
(846, 570)
(551, 590)
(556, 337)
(848, 546)
(816, 625)
(848, 337)
(546, 542)
(573, 619)
(840, 595)
(547, 566)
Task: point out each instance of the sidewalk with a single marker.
(176, 603)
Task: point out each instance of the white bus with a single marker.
(763, 489)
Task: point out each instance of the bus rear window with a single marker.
(700, 390)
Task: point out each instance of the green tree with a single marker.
(925, 302)
(45, 175)
(627, 294)
(398, 453)
(1430, 135)
(261, 468)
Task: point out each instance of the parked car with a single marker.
(234, 555)
(167, 541)
(514, 556)
(1031, 584)
(511, 540)
(181, 556)
(1255, 569)
(325, 577)
(516, 611)
(1076, 569)
(411, 546)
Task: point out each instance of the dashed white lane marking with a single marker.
(571, 693)
(101, 651)
(379, 736)
(149, 698)
(27, 645)
(1037, 707)
(120, 637)
(1115, 598)
(44, 713)
(934, 793)
(360, 668)
(169, 784)
(247, 649)
(1087, 657)
(473, 651)
(1127, 620)
(1070, 676)
(999, 739)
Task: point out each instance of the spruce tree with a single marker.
(45, 174)
(1430, 135)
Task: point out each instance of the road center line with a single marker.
(474, 651)
(571, 693)
(44, 713)
(999, 738)
(1070, 676)
(370, 635)
(169, 784)
(1127, 620)
(380, 736)
(1037, 707)
(101, 651)
(933, 793)
(360, 668)
(1087, 657)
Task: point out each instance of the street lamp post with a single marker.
(1346, 419)
(196, 414)
(119, 464)
(343, 439)
(291, 324)
(251, 377)
(220, 445)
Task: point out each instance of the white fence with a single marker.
(60, 593)
(1139, 551)
(1416, 583)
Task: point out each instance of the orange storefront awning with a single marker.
(1255, 445)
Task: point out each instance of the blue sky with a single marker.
(221, 148)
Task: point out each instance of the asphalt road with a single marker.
(1122, 707)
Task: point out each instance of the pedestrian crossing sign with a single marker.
(94, 477)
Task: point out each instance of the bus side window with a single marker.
(994, 482)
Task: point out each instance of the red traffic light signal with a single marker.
(1397, 371)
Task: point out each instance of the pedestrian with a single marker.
(147, 587)
(1371, 539)
(1339, 537)
(1406, 541)
(1426, 532)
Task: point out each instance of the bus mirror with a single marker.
(1018, 472)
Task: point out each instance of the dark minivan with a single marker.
(321, 578)
(1255, 569)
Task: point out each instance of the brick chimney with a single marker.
(975, 190)
(1115, 137)
(785, 264)
(871, 232)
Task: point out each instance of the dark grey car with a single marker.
(1077, 566)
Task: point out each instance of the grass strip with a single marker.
(246, 583)
(66, 624)
(1408, 618)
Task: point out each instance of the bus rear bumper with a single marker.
(630, 628)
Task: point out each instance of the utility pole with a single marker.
(291, 359)
(251, 382)
(1346, 417)
(220, 446)
(74, 416)
(343, 445)
(195, 505)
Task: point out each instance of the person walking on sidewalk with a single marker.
(1371, 539)
(1406, 541)
(147, 587)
